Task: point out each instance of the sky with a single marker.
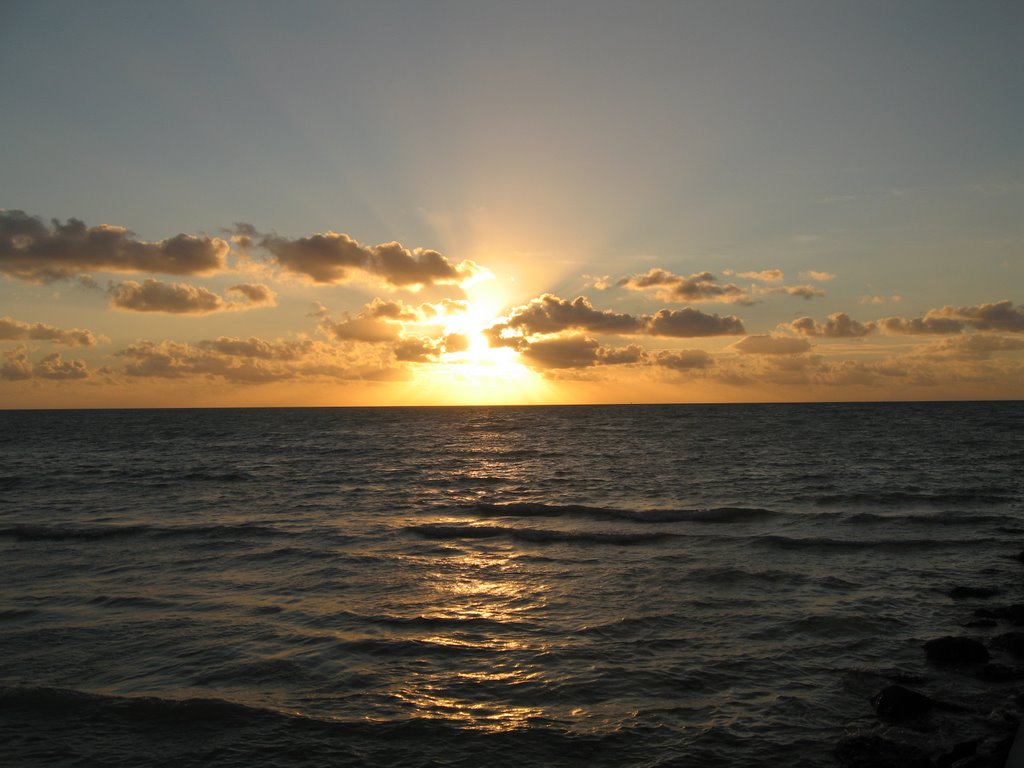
(269, 204)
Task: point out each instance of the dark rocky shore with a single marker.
(963, 707)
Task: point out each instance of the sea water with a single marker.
(610, 586)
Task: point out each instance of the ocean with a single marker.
(699, 585)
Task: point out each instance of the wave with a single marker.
(534, 535)
(702, 515)
(777, 541)
(949, 518)
(100, 532)
(138, 708)
(895, 498)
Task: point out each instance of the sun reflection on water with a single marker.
(491, 594)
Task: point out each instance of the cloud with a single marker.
(764, 276)
(821, 277)
(367, 329)
(901, 326)
(332, 257)
(838, 326)
(15, 330)
(803, 291)
(16, 366)
(683, 359)
(52, 367)
(247, 361)
(578, 352)
(895, 298)
(184, 299)
(426, 350)
(771, 345)
(34, 251)
(973, 347)
(549, 314)
(701, 286)
(691, 323)
(255, 294)
(997, 316)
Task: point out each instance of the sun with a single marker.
(479, 374)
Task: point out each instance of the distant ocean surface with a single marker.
(607, 586)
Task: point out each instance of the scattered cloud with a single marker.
(248, 361)
(38, 252)
(691, 323)
(698, 287)
(184, 299)
(683, 359)
(895, 298)
(803, 291)
(549, 314)
(997, 316)
(15, 330)
(821, 277)
(16, 366)
(839, 325)
(577, 352)
(771, 345)
(971, 347)
(764, 276)
(334, 257)
(53, 367)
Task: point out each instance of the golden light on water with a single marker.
(464, 587)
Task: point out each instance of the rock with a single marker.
(1020, 556)
(896, 703)
(955, 651)
(871, 751)
(961, 593)
(1011, 642)
(981, 623)
(1000, 673)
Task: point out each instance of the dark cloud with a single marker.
(691, 323)
(549, 315)
(15, 330)
(683, 359)
(578, 352)
(839, 325)
(901, 326)
(38, 252)
(16, 366)
(184, 299)
(332, 258)
(997, 316)
(701, 286)
(771, 345)
(52, 367)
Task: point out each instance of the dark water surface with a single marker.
(642, 585)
